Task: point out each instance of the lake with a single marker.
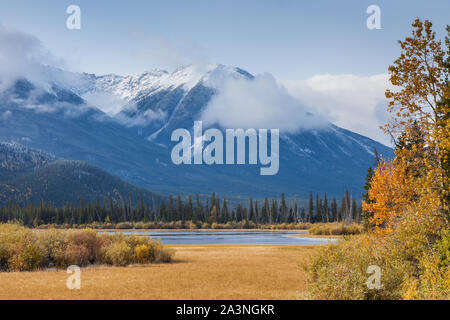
(229, 237)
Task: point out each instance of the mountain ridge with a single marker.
(61, 120)
(31, 176)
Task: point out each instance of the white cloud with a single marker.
(259, 103)
(22, 55)
(353, 102)
(105, 101)
(142, 120)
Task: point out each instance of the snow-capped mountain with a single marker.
(73, 118)
(134, 88)
(156, 100)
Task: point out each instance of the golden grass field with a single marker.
(198, 272)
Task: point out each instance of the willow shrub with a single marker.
(335, 228)
(413, 266)
(23, 249)
(339, 271)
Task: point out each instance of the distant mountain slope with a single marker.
(16, 159)
(32, 176)
(60, 120)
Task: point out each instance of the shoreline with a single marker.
(208, 230)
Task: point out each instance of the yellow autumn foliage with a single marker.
(408, 199)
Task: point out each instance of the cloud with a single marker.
(105, 101)
(142, 120)
(353, 102)
(22, 55)
(259, 103)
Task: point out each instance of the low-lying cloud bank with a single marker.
(22, 56)
(259, 103)
(353, 102)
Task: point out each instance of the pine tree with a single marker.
(334, 210)
(170, 214)
(318, 215)
(366, 215)
(189, 209)
(265, 212)
(283, 209)
(250, 210)
(180, 209)
(224, 212)
(273, 212)
(310, 208)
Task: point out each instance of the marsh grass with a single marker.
(335, 229)
(197, 272)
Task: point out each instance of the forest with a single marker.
(212, 210)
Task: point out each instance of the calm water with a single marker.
(229, 237)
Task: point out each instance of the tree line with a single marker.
(211, 210)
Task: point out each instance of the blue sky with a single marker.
(291, 39)
(321, 51)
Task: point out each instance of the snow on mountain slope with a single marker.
(64, 119)
(157, 100)
(134, 87)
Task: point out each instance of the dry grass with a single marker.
(326, 236)
(335, 228)
(198, 272)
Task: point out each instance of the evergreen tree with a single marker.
(180, 215)
(310, 208)
(365, 214)
(250, 210)
(170, 214)
(265, 212)
(325, 208)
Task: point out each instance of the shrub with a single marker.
(107, 226)
(339, 271)
(166, 254)
(77, 254)
(4, 257)
(139, 225)
(52, 242)
(432, 281)
(85, 238)
(119, 254)
(26, 256)
(192, 225)
(443, 248)
(335, 228)
(142, 253)
(413, 266)
(154, 247)
(22, 249)
(124, 225)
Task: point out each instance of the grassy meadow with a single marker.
(196, 272)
